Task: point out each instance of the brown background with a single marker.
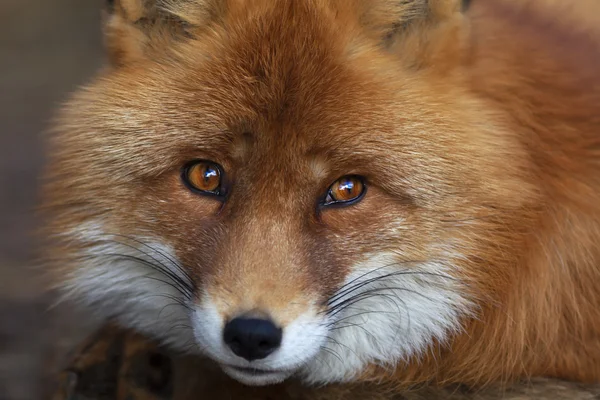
(47, 48)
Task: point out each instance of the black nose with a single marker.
(252, 338)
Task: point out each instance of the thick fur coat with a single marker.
(474, 255)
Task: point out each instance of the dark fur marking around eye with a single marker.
(465, 5)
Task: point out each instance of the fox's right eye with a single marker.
(204, 177)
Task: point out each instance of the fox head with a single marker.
(288, 187)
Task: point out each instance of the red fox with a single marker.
(403, 191)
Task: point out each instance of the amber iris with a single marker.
(204, 176)
(347, 189)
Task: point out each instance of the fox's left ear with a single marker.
(421, 32)
(134, 29)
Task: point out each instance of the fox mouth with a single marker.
(256, 376)
(250, 370)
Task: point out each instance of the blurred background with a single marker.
(48, 48)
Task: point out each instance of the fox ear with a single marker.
(422, 32)
(135, 29)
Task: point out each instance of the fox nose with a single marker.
(252, 338)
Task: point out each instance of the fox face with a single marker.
(289, 188)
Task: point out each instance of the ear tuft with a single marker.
(421, 32)
(465, 5)
(135, 29)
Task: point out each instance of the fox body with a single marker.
(392, 190)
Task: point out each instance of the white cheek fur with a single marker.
(391, 313)
(394, 317)
(114, 284)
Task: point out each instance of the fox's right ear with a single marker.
(424, 33)
(135, 29)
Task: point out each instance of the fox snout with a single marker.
(259, 312)
(259, 348)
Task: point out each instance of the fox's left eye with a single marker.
(204, 177)
(346, 190)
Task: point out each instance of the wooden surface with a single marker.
(116, 364)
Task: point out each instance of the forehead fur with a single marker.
(300, 79)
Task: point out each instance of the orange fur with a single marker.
(481, 127)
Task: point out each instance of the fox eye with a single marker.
(204, 177)
(346, 190)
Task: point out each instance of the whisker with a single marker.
(180, 326)
(371, 292)
(178, 285)
(387, 297)
(348, 285)
(332, 352)
(181, 285)
(167, 270)
(334, 323)
(166, 283)
(177, 265)
(353, 325)
(173, 298)
(361, 284)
